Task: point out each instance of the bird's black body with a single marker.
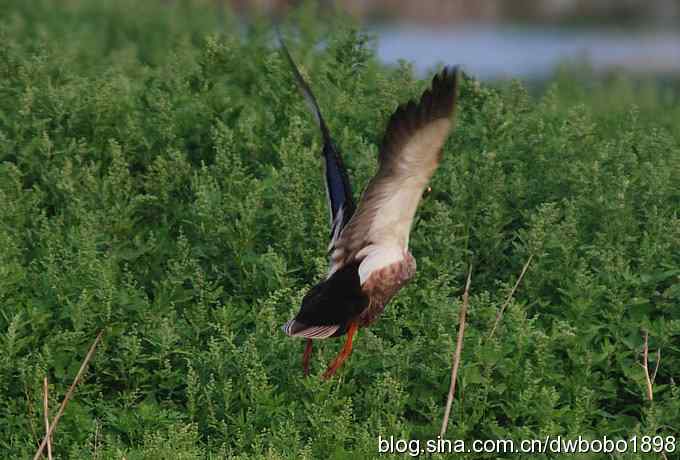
(334, 300)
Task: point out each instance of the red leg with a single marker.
(305, 357)
(344, 353)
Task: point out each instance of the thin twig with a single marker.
(456, 355)
(656, 367)
(46, 411)
(68, 396)
(512, 293)
(645, 366)
(650, 380)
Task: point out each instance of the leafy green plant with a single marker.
(161, 182)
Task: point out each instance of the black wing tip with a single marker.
(444, 89)
(438, 101)
(303, 87)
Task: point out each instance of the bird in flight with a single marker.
(369, 256)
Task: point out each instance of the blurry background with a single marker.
(159, 177)
(515, 38)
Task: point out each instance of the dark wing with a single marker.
(378, 232)
(338, 189)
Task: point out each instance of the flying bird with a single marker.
(369, 257)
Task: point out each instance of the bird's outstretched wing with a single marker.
(338, 190)
(378, 232)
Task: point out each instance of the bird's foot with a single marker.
(306, 357)
(344, 353)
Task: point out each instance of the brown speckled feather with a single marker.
(409, 155)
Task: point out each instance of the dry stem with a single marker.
(46, 411)
(95, 454)
(68, 396)
(645, 366)
(512, 293)
(648, 379)
(456, 355)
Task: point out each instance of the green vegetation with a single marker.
(161, 181)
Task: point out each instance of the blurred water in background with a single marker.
(500, 39)
(499, 51)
